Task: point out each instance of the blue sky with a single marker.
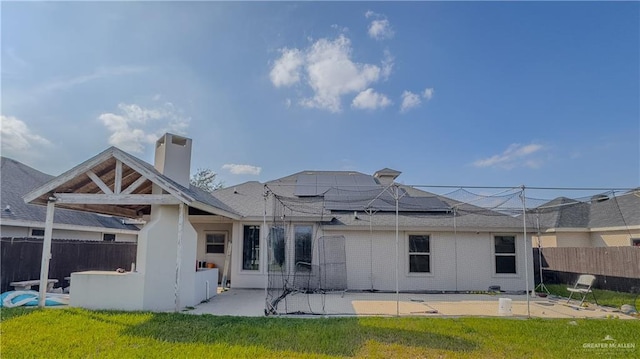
(483, 94)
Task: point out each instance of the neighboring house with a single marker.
(442, 245)
(604, 221)
(21, 220)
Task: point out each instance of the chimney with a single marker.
(386, 176)
(173, 158)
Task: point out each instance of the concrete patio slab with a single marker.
(251, 302)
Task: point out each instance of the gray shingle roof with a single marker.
(17, 179)
(617, 211)
(248, 200)
(194, 192)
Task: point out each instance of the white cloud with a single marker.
(516, 155)
(17, 137)
(328, 70)
(370, 100)
(409, 101)
(428, 94)
(99, 73)
(136, 126)
(379, 28)
(387, 64)
(286, 70)
(242, 169)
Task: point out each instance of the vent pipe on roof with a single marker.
(173, 158)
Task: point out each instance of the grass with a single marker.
(79, 333)
(607, 298)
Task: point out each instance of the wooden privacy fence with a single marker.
(606, 261)
(21, 258)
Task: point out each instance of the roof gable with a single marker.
(17, 179)
(124, 179)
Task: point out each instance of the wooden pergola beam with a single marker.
(99, 182)
(115, 199)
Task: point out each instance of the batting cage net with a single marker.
(376, 249)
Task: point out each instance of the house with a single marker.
(22, 220)
(602, 221)
(443, 245)
(330, 229)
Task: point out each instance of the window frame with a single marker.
(108, 234)
(255, 249)
(495, 255)
(428, 254)
(635, 242)
(223, 244)
(303, 267)
(273, 265)
(31, 234)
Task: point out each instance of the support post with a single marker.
(46, 253)
(181, 215)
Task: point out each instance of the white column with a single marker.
(46, 253)
(181, 216)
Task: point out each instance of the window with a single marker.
(36, 232)
(215, 243)
(276, 248)
(251, 248)
(108, 237)
(419, 254)
(635, 242)
(303, 242)
(505, 253)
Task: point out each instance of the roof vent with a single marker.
(386, 176)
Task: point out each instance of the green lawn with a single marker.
(78, 333)
(605, 297)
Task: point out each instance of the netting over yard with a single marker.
(387, 249)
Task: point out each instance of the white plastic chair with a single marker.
(583, 287)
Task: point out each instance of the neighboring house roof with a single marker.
(334, 196)
(600, 212)
(17, 179)
(134, 172)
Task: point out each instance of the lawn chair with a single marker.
(583, 287)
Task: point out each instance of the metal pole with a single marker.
(265, 245)
(370, 212)
(526, 262)
(46, 252)
(397, 255)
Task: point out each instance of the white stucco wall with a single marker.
(13, 231)
(157, 256)
(217, 258)
(22, 232)
(610, 238)
(106, 290)
(462, 262)
(245, 278)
